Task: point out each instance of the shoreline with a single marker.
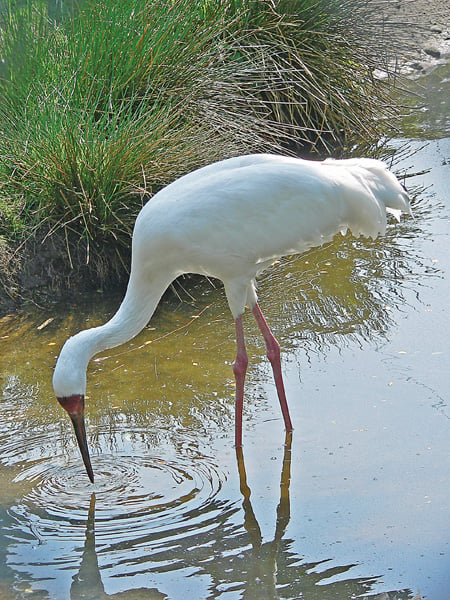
(429, 42)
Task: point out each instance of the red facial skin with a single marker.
(74, 405)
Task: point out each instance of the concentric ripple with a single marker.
(126, 486)
(145, 484)
(148, 507)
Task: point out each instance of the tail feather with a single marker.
(383, 183)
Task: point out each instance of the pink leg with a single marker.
(239, 369)
(273, 354)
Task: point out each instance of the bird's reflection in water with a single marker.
(262, 574)
(88, 585)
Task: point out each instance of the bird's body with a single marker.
(231, 220)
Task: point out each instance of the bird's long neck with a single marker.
(134, 313)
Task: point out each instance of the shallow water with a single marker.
(354, 505)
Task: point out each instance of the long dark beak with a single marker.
(74, 405)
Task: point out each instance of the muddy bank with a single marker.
(50, 268)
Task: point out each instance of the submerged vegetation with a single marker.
(103, 105)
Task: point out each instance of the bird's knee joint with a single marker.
(240, 365)
(273, 350)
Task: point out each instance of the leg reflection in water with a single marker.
(229, 553)
(261, 580)
(88, 585)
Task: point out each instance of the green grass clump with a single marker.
(102, 107)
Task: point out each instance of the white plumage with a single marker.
(231, 220)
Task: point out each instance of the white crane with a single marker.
(231, 220)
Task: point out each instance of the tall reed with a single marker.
(101, 108)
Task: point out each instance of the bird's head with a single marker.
(69, 385)
(74, 405)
